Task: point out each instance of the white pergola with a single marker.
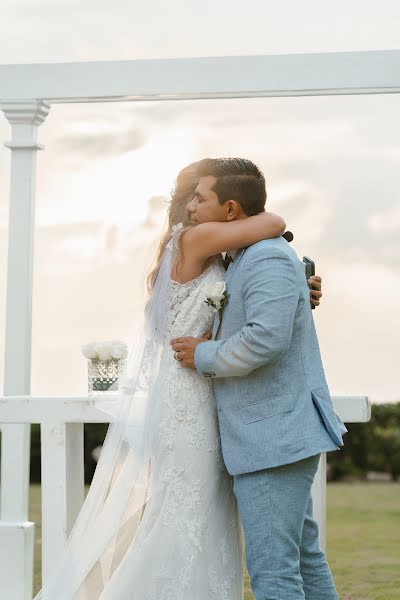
(26, 95)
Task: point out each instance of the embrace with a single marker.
(235, 413)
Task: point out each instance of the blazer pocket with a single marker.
(264, 409)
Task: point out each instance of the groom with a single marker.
(274, 408)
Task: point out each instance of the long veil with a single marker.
(110, 517)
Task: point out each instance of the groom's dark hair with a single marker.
(237, 179)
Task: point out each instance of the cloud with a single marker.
(359, 329)
(386, 221)
(72, 30)
(102, 145)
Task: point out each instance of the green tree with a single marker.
(372, 446)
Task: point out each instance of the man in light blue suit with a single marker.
(274, 408)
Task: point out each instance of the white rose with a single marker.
(104, 351)
(215, 291)
(119, 350)
(90, 350)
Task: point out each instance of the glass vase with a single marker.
(103, 373)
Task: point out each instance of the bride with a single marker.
(160, 519)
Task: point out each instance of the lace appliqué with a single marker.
(186, 514)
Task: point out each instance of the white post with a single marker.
(24, 117)
(62, 487)
(318, 492)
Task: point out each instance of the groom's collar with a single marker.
(231, 253)
(232, 267)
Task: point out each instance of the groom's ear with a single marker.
(233, 210)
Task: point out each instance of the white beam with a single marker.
(25, 409)
(353, 409)
(368, 72)
(85, 409)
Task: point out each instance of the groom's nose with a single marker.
(191, 208)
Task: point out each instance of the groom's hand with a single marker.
(184, 349)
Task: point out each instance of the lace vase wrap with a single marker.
(104, 374)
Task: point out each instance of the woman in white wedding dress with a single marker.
(160, 519)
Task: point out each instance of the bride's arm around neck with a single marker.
(207, 239)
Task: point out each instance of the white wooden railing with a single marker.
(61, 420)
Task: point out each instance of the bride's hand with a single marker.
(206, 337)
(315, 294)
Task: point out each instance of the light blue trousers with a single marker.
(283, 555)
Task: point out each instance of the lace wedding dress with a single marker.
(188, 543)
(159, 521)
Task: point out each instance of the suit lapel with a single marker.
(216, 325)
(233, 265)
(228, 277)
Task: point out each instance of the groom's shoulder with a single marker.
(272, 247)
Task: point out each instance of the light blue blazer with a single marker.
(273, 401)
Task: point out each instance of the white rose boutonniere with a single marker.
(216, 295)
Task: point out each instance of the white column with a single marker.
(24, 117)
(318, 492)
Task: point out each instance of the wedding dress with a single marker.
(163, 525)
(188, 545)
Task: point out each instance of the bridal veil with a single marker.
(110, 516)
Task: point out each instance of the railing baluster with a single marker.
(75, 476)
(62, 487)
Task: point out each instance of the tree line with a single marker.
(372, 446)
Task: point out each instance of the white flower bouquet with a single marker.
(106, 363)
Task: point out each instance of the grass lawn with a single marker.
(363, 540)
(363, 545)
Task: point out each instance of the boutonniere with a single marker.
(216, 296)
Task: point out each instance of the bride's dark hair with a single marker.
(181, 194)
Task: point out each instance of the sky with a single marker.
(103, 181)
